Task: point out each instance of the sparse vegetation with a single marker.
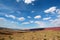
(10, 37)
(32, 35)
(2, 39)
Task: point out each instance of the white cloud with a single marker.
(32, 11)
(1, 18)
(28, 22)
(56, 22)
(58, 16)
(47, 18)
(21, 18)
(28, 1)
(17, 0)
(31, 21)
(25, 23)
(51, 20)
(58, 11)
(11, 16)
(50, 10)
(41, 24)
(18, 12)
(8, 24)
(28, 16)
(5, 9)
(37, 17)
(33, 4)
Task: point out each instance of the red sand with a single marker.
(54, 28)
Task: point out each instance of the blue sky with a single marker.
(26, 14)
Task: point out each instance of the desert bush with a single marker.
(2, 39)
(44, 35)
(11, 38)
(45, 39)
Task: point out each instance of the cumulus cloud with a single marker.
(37, 17)
(21, 18)
(28, 1)
(11, 16)
(50, 10)
(47, 18)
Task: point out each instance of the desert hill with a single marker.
(30, 34)
(51, 28)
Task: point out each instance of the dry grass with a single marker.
(32, 35)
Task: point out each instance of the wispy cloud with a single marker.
(31, 21)
(56, 22)
(8, 24)
(28, 16)
(41, 24)
(32, 11)
(47, 18)
(17, 0)
(25, 23)
(58, 16)
(1, 18)
(58, 11)
(5, 9)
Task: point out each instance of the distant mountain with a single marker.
(34, 29)
(8, 31)
(51, 28)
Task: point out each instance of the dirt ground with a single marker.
(32, 35)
